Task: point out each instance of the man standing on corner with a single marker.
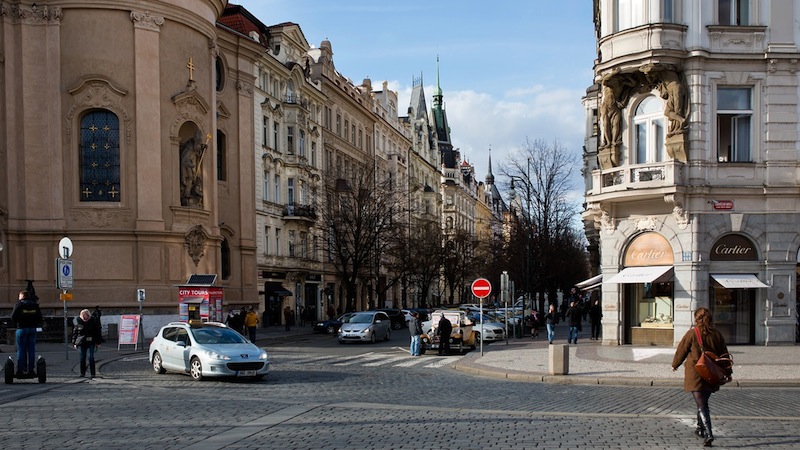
(27, 316)
(415, 330)
(444, 331)
(574, 316)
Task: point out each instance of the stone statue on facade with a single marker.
(192, 152)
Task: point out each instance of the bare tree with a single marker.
(458, 264)
(548, 214)
(357, 221)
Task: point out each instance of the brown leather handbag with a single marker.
(716, 370)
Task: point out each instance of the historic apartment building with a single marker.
(691, 166)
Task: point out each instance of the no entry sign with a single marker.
(481, 288)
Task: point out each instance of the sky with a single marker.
(510, 70)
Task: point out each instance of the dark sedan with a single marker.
(331, 326)
(396, 316)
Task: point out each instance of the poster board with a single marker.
(129, 331)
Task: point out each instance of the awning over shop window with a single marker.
(592, 287)
(591, 282)
(649, 274)
(738, 280)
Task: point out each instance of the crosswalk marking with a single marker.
(369, 359)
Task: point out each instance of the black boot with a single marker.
(705, 417)
(700, 430)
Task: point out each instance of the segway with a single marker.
(41, 371)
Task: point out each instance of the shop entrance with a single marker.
(734, 314)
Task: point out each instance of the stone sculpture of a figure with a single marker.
(675, 95)
(615, 95)
(192, 151)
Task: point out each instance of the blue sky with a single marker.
(510, 70)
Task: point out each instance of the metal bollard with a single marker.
(559, 359)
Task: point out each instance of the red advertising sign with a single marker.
(723, 205)
(481, 288)
(129, 330)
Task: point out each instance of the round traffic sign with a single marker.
(65, 247)
(481, 288)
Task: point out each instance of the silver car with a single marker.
(366, 326)
(207, 350)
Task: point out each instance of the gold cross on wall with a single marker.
(190, 65)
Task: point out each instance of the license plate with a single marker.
(246, 373)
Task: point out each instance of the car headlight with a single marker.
(320, 324)
(263, 355)
(215, 355)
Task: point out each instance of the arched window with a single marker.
(99, 157)
(648, 128)
(225, 259)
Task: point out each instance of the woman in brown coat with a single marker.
(688, 351)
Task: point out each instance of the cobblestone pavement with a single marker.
(380, 398)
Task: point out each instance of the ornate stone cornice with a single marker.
(103, 218)
(146, 21)
(32, 14)
(94, 91)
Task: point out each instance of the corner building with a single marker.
(691, 167)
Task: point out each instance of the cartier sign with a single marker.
(733, 247)
(649, 249)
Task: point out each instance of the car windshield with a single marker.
(360, 318)
(217, 336)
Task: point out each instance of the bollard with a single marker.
(559, 359)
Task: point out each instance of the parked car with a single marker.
(367, 326)
(489, 331)
(330, 326)
(209, 349)
(396, 316)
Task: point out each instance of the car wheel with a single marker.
(388, 335)
(196, 369)
(331, 329)
(372, 339)
(477, 337)
(158, 364)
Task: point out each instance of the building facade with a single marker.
(692, 166)
(120, 125)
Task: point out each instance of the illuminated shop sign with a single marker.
(734, 247)
(649, 249)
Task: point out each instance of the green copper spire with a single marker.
(437, 93)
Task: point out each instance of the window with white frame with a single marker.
(275, 135)
(301, 144)
(277, 242)
(290, 192)
(648, 131)
(277, 188)
(265, 193)
(266, 240)
(734, 124)
(734, 12)
(292, 252)
(313, 154)
(290, 140)
(265, 131)
(630, 13)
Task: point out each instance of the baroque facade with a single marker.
(691, 168)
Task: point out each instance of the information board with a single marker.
(129, 331)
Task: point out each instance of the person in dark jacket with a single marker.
(596, 317)
(688, 352)
(444, 330)
(415, 330)
(550, 320)
(86, 337)
(574, 317)
(27, 316)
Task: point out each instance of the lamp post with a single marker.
(513, 194)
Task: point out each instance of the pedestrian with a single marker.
(331, 311)
(302, 316)
(444, 330)
(97, 314)
(596, 317)
(533, 323)
(550, 320)
(251, 323)
(415, 330)
(287, 317)
(687, 353)
(242, 329)
(26, 316)
(86, 337)
(574, 316)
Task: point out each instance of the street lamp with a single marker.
(513, 194)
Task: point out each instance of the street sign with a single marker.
(65, 296)
(64, 273)
(65, 248)
(481, 288)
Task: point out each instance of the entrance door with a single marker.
(734, 314)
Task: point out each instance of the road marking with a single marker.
(385, 361)
(447, 360)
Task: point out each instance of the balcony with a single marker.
(647, 41)
(637, 180)
(302, 212)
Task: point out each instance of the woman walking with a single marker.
(551, 319)
(688, 352)
(87, 336)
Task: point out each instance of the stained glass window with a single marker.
(99, 157)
